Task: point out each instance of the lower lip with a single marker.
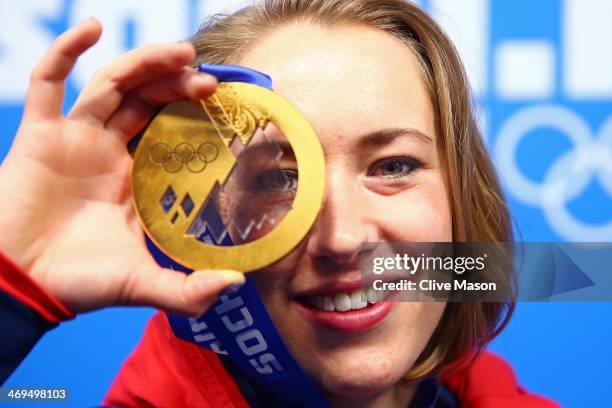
(351, 322)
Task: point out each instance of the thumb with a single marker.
(186, 294)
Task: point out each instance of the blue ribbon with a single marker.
(235, 73)
(238, 325)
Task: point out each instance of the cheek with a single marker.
(419, 214)
(273, 282)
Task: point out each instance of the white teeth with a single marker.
(358, 300)
(342, 302)
(328, 304)
(372, 295)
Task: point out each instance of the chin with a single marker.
(354, 377)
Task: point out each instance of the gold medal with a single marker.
(182, 170)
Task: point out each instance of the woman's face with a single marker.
(362, 91)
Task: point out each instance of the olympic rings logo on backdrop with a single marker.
(569, 175)
(183, 155)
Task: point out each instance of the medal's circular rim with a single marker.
(293, 227)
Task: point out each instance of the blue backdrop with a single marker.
(542, 76)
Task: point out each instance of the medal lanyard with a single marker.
(238, 325)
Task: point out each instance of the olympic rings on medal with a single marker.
(183, 155)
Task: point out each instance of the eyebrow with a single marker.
(385, 136)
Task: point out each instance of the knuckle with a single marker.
(39, 73)
(109, 76)
(104, 73)
(35, 74)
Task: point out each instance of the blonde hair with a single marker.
(479, 212)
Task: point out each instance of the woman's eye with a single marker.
(394, 167)
(276, 181)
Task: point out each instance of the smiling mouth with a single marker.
(343, 301)
(349, 310)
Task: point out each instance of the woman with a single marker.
(385, 90)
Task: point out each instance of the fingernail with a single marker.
(207, 78)
(230, 277)
(186, 42)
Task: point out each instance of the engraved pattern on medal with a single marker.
(234, 117)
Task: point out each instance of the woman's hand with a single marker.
(66, 215)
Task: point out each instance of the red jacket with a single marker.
(167, 372)
(164, 371)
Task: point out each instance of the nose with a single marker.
(342, 225)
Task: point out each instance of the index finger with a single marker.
(47, 81)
